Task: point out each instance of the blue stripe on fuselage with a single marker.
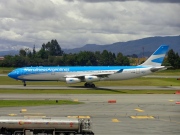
(77, 68)
(41, 70)
(36, 70)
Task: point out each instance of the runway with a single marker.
(50, 87)
(130, 115)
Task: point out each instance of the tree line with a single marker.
(51, 54)
(173, 59)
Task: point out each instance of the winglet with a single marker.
(157, 57)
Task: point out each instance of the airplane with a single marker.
(91, 74)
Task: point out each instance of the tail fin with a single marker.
(157, 57)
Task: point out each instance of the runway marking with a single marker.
(82, 117)
(23, 110)
(115, 120)
(34, 116)
(142, 117)
(171, 100)
(139, 110)
(12, 114)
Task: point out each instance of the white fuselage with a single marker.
(60, 76)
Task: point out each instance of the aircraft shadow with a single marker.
(98, 88)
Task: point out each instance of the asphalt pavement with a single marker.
(147, 114)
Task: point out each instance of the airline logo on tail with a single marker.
(157, 57)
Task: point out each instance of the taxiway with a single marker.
(135, 114)
(81, 87)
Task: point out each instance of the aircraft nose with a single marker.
(12, 74)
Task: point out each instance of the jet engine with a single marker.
(73, 80)
(91, 78)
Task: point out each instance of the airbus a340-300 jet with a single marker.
(91, 74)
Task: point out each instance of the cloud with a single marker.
(154, 1)
(75, 23)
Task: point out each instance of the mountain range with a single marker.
(140, 47)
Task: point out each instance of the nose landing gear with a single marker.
(24, 83)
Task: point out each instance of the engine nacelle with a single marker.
(91, 78)
(73, 80)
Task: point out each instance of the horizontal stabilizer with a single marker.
(155, 69)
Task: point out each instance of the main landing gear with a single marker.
(89, 85)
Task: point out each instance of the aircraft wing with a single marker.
(99, 74)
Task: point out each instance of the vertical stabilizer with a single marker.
(157, 57)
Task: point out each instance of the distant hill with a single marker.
(149, 44)
(10, 52)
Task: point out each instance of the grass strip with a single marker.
(142, 81)
(85, 91)
(6, 70)
(168, 73)
(15, 103)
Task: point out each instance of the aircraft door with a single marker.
(137, 71)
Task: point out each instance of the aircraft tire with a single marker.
(24, 83)
(92, 85)
(89, 85)
(86, 85)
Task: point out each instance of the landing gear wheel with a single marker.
(18, 133)
(24, 83)
(93, 85)
(71, 134)
(61, 133)
(89, 85)
(86, 85)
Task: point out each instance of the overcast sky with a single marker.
(75, 23)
